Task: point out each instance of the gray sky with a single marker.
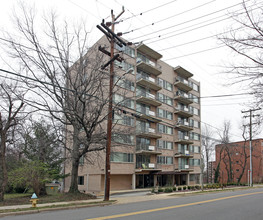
(181, 30)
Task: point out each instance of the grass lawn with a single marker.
(23, 198)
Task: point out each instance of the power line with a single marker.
(153, 23)
(188, 21)
(148, 10)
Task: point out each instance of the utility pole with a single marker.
(250, 142)
(113, 39)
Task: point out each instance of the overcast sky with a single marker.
(182, 31)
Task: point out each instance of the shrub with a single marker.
(168, 190)
(189, 187)
(184, 187)
(179, 188)
(174, 188)
(160, 190)
(197, 187)
(153, 190)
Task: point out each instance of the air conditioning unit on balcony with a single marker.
(151, 96)
(186, 137)
(186, 123)
(186, 109)
(151, 79)
(186, 166)
(151, 130)
(151, 148)
(151, 113)
(186, 95)
(187, 152)
(151, 165)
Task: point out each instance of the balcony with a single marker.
(182, 84)
(184, 167)
(148, 132)
(147, 150)
(149, 67)
(183, 72)
(183, 139)
(147, 82)
(183, 111)
(144, 166)
(149, 115)
(182, 97)
(148, 99)
(149, 51)
(183, 154)
(183, 125)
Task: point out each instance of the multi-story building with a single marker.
(233, 161)
(159, 108)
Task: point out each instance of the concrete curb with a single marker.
(76, 206)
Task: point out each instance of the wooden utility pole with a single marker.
(113, 39)
(250, 142)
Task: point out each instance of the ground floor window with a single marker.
(80, 180)
(144, 181)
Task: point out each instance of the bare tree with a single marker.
(10, 106)
(73, 93)
(207, 147)
(245, 40)
(224, 152)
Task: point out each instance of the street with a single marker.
(241, 205)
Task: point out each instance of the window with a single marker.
(121, 157)
(124, 83)
(164, 160)
(237, 170)
(125, 66)
(237, 153)
(195, 149)
(194, 110)
(81, 161)
(194, 123)
(194, 86)
(192, 177)
(194, 98)
(142, 108)
(142, 126)
(194, 162)
(143, 58)
(123, 120)
(121, 100)
(237, 162)
(164, 99)
(194, 136)
(164, 84)
(142, 143)
(164, 144)
(164, 114)
(141, 91)
(80, 180)
(164, 129)
(123, 138)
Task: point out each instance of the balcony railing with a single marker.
(183, 125)
(146, 166)
(150, 149)
(148, 82)
(148, 98)
(149, 66)
(183, 111)
(183, 97)
(183, 153)
(148, 132)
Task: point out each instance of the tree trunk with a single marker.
(74, 176)
(3, 171)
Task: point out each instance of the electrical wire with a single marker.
(144, 12)
(194, 19)
(156, 22)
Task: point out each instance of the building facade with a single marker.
(156, 136)
(233, 162)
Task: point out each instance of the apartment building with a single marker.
(156, 136)
(233, 161)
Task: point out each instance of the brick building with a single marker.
(233, 160)
(160, 106)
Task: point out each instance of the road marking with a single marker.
(170, 207)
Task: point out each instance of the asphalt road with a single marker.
(237, 205)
